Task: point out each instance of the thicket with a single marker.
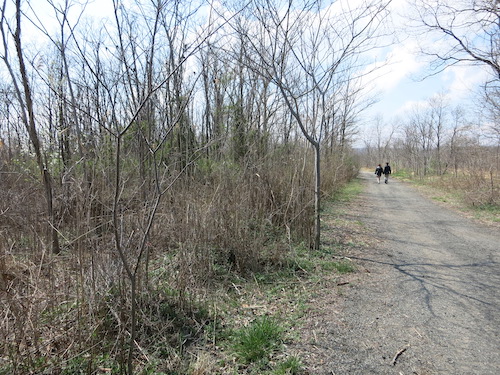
(152, 154)
(70, 312)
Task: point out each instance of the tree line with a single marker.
(433, 138)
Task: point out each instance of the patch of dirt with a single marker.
(327, 307)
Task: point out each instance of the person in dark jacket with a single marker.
(378, 172)
(387, 172)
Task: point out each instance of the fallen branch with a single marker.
(398, 354)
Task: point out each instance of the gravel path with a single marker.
(429, 302)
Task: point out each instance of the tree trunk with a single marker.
(317, 196)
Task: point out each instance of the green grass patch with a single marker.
(86, 364)
(403, 174)
(490, 208)
(349, 191)
(6, 370)
(440, 199)
(489, 212)
(291, 366)
(344, 266)
(257, 341)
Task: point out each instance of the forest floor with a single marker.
(425, 298)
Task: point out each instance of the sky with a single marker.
(407, 79)
(406, 83)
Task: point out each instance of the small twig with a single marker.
(418, 333)
(215, 324)
(252, 307)
(236, 288)
(398, 354)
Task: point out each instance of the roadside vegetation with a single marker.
(201, 309)
(167, 177)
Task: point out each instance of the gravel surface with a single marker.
(427, 299)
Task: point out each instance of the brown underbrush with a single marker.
(220, 224)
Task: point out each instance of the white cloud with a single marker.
(400, 62)
(403, 62)
(464, 79)
(411, 105)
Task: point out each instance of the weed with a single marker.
(291, 366)
(86, 364)
(489, 208)
(489, 212)
(152, 369)
(440, 199)
(302, 265)
(6, 370)
(56, 312)
(258, 340)
(403, 174)
(343, 267)
(349, 191)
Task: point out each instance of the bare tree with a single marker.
(421, 123)
(458, 128)
(7, 97)
(469, 29)
(490, 108)
(463, 32)
(438, 122)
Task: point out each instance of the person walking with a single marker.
(387, 172)
(378, 172)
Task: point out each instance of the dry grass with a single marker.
(69, 312)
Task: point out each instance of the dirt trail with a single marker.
(429, 302)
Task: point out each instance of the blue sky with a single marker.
(408, 87)
(407, 81)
